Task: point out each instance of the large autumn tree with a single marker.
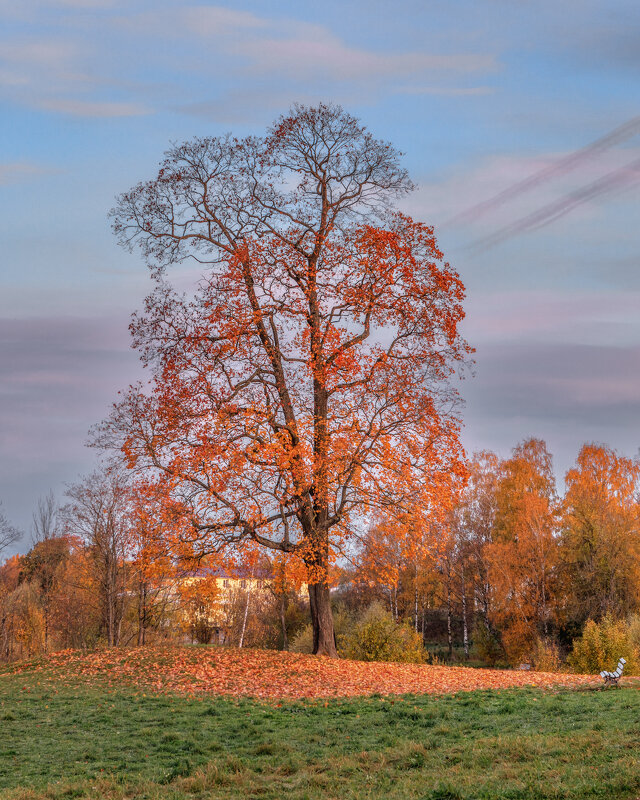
(306, 383)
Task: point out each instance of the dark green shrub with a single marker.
(486, 641)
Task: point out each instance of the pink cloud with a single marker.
(21, 171)
(598, 316)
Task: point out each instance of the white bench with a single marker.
(612, 678)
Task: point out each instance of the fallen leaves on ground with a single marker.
(271, 675)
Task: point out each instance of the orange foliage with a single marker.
(75, 611)
(524, 552)
(381, 557)
(10, 574)
(271, 675)
(198, 596)
(400, 553)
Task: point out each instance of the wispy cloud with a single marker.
(623, 178)
(558, 167)
(29, 6)
(91, 64)
(243, 105)
(449, 91)
(30, 60)
(87, 108)
(320, 53)
(215, 20)
(19, 172)
(59, 75)
(300, 49)
(83, 4)
(34, 71)
(504, 196)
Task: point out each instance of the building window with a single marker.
(225, 583)
(243, 584)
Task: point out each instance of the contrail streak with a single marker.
(622, 178)
(626, 131)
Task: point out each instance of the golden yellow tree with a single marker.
(601, 535)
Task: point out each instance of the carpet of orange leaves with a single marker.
(271, 675)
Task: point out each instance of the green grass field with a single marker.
(91, 740)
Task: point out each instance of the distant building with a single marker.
(209, 595)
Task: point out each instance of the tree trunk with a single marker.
(545, 612)
(110, 616)
(485, 605)
(324, 638)
(283, 622)
(317, 563)
(449, 630)
(244, 619)
(415, 598)
(465, 627)
(142, 614)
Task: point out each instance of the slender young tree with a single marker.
(46, 519)
(284, 584)
(380, 560)
(475, 520)
(307, 383)
(43, 565)
(8, 533)
(153, 571)
(98, 513)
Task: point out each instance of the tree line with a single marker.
(518, 568)
(98, 573)
(512, 574)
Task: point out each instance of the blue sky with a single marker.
(478, 95)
